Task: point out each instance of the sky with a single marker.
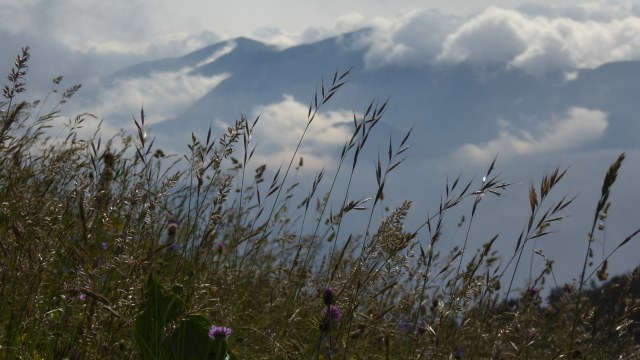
(86, 39)
(88, 23)
(161, 28)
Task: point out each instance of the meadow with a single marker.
(111, 248)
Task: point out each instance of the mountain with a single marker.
(457, 99)
(463, 115)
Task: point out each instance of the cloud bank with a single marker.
(579, 126)
(537, 44)
(536, 39)
(281, 126)
(412, 39)
(164, 95)
(140, 27)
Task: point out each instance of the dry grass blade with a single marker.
(533, 198)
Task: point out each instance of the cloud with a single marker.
(412, 39)
(71, 21)
(602, 11)
(167, 45)
(283, 39)
(579, 126)
(534, 38)
(494, 36)
(163, 94)
(281, 126)
(540, 43)
(140, 27)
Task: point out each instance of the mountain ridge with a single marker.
(460, 99)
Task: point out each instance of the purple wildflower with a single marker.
(532, 292)
(219, 332)
(329, 296)
(404, 325)
(333, 312)
(104, 246)
(219, 247)
(82, 297)
(331, 317)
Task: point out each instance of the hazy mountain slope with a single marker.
(462, 101)
(490, 108)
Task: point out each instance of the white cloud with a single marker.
(538, 43)
(140, 27)
(412, 39)
(281, 126)
(535, 38)
(579, 126)
(496, 35)
(164, 95)
(218, 54)
(602, 11)
(168, 45)
(283, 39)
(570, 76)
(276, 36)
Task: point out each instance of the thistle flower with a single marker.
(331, 317)
(329, 296)
(333, 312)
(219, 247)
(219, 332)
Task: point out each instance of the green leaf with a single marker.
(159, 310)
(191, 342)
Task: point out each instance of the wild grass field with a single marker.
(114, 249)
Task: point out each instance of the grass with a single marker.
(113, 249)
